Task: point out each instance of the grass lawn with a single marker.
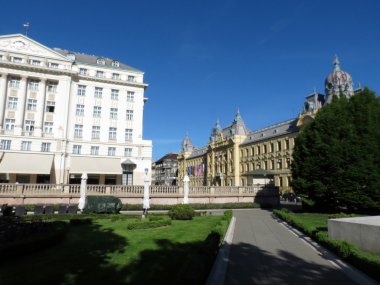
(106, 252)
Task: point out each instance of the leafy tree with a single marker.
(336, 159)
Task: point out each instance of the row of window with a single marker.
(78, 129)
(100, 74)
(264, 148)
(77, 149)
(101, 61)
(34, 62)
(97, 112)
(28, 126)
(31, 104)
(268, 165)
(95, 133)
(25, 145)
(99, 93)
(33, 84)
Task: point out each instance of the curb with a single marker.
(219, 269)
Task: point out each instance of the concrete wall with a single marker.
(363, 232)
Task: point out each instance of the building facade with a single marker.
(237, 156)
(64, 113)
(165, 170)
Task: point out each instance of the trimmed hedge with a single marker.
(138, 207)
(156, 223)
(182, 212)
(367, 262)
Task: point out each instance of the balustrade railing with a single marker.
(199, 190)
(163, 189)
(126, 189)
(42, 189)
(7, 189)
(96, 189)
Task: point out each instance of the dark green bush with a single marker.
(182, 212)
(141, 225)
(138, 207)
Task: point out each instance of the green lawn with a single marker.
(106, 252)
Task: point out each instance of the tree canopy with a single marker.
(336, 159)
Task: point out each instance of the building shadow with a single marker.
(249, 264)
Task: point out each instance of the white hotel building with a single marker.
(64, 113)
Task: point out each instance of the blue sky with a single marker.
(205, 59)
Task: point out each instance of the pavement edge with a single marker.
(219, 269)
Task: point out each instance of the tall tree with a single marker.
(336, 159)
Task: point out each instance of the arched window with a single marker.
(101, 61)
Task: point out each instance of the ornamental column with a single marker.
(40, 108)
(3, 95)
(21, 106)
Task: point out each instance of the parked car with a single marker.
(290, 197)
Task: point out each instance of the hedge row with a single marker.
(365, 261)
(155, 223)
(138, 207)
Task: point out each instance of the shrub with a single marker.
(182, 212)
(140, 225)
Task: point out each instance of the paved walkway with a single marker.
(264, 252)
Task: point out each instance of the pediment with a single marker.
(24, 45)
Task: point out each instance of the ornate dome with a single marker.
(187, 145)
(338, 82)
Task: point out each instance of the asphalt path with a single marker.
(264, 251)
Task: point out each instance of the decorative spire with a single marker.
(336, 63)
(238, 118)
(217, 125)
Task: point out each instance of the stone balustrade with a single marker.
(52, 193)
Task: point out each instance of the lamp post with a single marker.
(146, 194)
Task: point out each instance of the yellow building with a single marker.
(236, 156)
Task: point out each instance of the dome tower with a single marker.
(338, 82)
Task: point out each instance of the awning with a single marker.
(26, 163)
(260, 173)
(128, 162)
(95, 165)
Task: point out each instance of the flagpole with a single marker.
(26, 26)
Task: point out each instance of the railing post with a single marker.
(108, 190)
(241, 190)
(20, 189)
(212, 190)
(180, 190)
(66, 189)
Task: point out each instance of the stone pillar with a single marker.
(186, 190)
(40, 108)
(83, 190)
(3, 95)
